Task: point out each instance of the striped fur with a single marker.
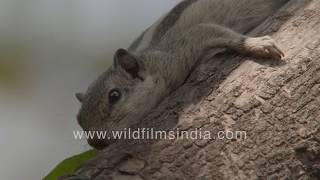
(240, 15)
(159, 60)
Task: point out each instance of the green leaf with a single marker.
(69, 165)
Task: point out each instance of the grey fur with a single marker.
(163, 56)
(165, 24)
(170, 20)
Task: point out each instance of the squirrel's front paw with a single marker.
(264, 47)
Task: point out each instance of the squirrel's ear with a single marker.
(128, 62)
(79, 96)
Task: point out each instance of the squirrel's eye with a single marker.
(114, 96)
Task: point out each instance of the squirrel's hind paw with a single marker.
(264, 47)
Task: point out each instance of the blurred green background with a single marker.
(50, 49)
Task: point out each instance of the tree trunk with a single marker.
(275, 103)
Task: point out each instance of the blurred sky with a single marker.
(50, 49)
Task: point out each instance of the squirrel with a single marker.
(160, 60)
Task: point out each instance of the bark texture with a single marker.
(276, 103)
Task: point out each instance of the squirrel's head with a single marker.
(119, 97)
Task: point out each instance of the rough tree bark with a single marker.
(276, 103)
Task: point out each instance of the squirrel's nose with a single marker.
(97, 143)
